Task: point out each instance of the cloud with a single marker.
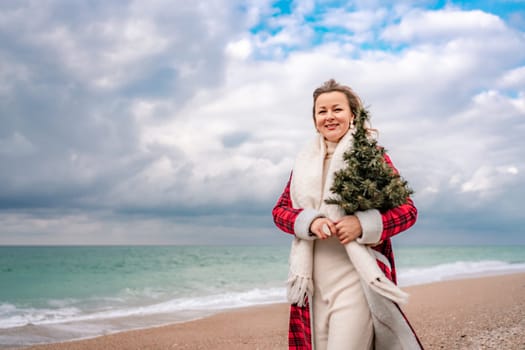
(450, 23)
(356, 21)
(183, 121)
(75, 77)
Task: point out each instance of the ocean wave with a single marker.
(61, 311)
(12, 316)
(455, 270)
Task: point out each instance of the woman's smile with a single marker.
(332, 115)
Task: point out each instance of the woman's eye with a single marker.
(338, 109)
(321, 112)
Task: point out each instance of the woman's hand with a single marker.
(348, 229)
(317, 228)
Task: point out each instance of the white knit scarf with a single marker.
(307, 192)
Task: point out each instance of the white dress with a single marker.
(341, 316)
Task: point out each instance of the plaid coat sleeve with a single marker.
(398, 219)
(284, 214)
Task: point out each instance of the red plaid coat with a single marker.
(395, 220)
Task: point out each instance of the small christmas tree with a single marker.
(367, 182)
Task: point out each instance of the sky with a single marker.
(177, 122)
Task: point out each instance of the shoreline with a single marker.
(475, 312)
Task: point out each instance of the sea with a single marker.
(53, 294)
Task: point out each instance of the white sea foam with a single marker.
(455, 270)
(11, 316)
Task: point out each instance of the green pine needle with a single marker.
(367, 182)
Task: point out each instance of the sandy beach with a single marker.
(479, 313)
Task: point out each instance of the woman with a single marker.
(347, 313)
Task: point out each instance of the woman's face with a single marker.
(332, 115)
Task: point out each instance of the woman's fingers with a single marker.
(330, 227)
(348, 229)
(326, 229)
(316, 228)
(322, 228)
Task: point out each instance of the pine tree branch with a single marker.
(367, 181)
